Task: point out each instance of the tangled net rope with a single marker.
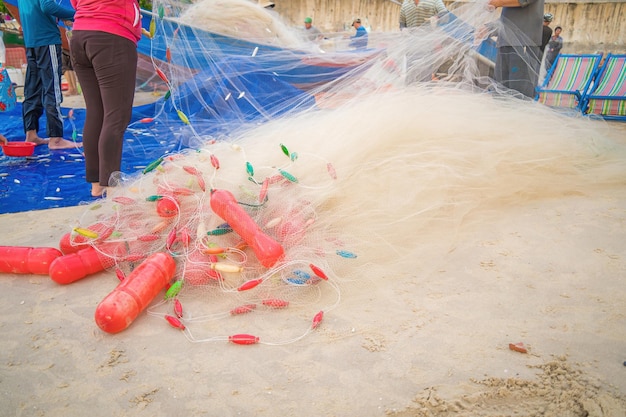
(301, 168)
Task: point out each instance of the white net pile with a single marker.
(352, 161)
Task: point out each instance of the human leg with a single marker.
(93, 101)
(115, 65)
(32, 107)
(517, 68)
(49, 63)
(69, 74)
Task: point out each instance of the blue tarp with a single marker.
(56, 178)
(50, 179)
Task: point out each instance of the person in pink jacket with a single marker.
(104, 54)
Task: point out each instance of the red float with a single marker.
(266, 249)
(167, 207)
(122, 306)
(75, 266)
(72, 243)
(243, 339)
(27, 260)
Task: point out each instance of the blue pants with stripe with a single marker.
(42, 90)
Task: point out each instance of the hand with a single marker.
(480, 34)
(3, 140)
(68, 23)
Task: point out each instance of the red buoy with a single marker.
(266, 249)
(71, 243)
(27, 260)
(74, 266)
(122, 306)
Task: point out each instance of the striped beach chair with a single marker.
(607, 97)
(568, 80)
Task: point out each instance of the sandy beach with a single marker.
(428, 336)
(409, 343)
(487, 234)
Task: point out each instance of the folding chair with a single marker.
(607, 96)
(16, 65)
(568, 80)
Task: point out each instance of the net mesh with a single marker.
(354, 161)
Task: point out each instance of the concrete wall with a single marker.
(591, 25)
(337, 15)
(588, 25)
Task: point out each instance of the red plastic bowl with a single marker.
(18, 149)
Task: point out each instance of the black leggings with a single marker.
(106, 67)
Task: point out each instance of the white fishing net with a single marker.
(348, 159)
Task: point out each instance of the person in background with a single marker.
(554, 46)
(312, 33)
(104, 54)
(68, 67)
(42, 85)
(547, 31)
(518, 59)
(359, 40)
(69, 74)
(414, 13)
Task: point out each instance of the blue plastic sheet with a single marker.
(56, 178)
(50, 179)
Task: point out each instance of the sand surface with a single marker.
(409, 343)
(427, 335)
(430, 339)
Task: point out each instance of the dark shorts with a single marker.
(66, 61)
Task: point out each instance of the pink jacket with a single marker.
(119, 17)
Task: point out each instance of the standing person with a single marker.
(359, 40)
(104, 53)
(42, 85)
(518, 59)
(68, 68)
(312, 33)
(414, 13)
(554, 46)
(70, 75)
(547, 31)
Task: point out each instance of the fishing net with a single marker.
(351, 161)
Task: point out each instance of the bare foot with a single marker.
(97, 190)
(32, 137)
(60, 143)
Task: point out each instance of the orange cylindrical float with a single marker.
(27, 260)
(266, 249)
(74, 266)
(71, 243)
(122, 306)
